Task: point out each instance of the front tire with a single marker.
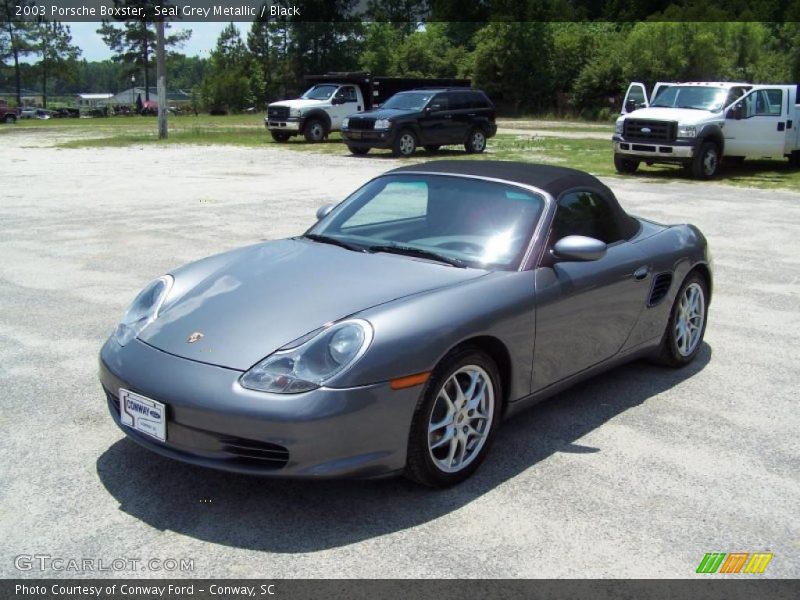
(314, 131)
(405, 144)
(687, 323)
(280, 136)
(705, 163)
(455, 419)
(476, 141)
(625, 165)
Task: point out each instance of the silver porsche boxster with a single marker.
(398, 331)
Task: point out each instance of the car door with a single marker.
(635, 98)
(436, 123)
(343, 103)
(461, 107)
(585, 311)
(755, 126)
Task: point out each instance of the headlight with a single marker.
(618, 127)
(143, 310)
(310, 361)
(383, 124)
(687, 131)
(294, 112)
(345, 122)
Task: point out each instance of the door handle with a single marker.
(640, 273)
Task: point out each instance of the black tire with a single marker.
(405, 144)
(794, 159)
(669, 353)
(10, 119)
(420, 464)
(705, 163)
(280, 136)
(476, 141)
(625, 165)
(358, 151)
(432, 147)
(314, 131)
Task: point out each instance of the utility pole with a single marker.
(161, 74)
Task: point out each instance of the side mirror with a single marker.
(337, 100)
(324, 210)
(735, 112)
(579, 248)
(630, 106)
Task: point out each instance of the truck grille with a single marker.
(278, 113)
(644, 129)
(364, 123)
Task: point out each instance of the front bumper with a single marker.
(369, 138)
(214, 422)
(656, 151)
(291, 124)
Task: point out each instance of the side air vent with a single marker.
(661, 283)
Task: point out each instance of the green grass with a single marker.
(590, 155)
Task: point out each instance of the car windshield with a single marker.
(407, 101)
(690, 96)
(456, 220)
(320, 92)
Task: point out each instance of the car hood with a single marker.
(387, 113)
(684, 116)
(260, 298)
(301, 103)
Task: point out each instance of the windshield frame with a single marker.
(320, 85)
(720, 91)
(533, 236)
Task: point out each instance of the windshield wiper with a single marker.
(418, 252)
(325, 239)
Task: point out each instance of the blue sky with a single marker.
(204, 38)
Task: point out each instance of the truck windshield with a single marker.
(690, 96)
(320, 92)
(407, 101)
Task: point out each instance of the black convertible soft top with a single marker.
(549, 178)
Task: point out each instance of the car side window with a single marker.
(347, 94)
(440, 102)
(763, 103)
(585, 213)
(459, 100)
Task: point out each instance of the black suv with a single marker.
(425, 117)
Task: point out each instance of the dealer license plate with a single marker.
(143, 414)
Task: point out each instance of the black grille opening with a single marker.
(645, 129)
(363, 123)
(661, 283)
(279, 113)
(264, 453)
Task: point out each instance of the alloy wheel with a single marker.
(689, 319)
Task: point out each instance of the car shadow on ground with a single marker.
(768, 173)
(420, 153)
(292, 516)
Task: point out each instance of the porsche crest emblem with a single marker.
(196, 336)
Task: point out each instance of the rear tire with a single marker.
(455, 420)
(279, 136)
(476, 141)
(625, 165)
(10, 119)
(314, 131)
(405, 144)
(686, 326)
(358, 151)
(794, 159)
(705, 163)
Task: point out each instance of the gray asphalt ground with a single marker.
(637, 473)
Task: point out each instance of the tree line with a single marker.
(528, 65)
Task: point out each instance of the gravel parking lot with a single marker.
(637, 473)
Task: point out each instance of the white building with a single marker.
(93, 100)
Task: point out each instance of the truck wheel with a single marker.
(10, 119)
(405, 144)
(432, 148)
(476, 141)
(794, 159)
(314, 131)
(280, 136)
(358, 151)
(706, 162)
(625, 165)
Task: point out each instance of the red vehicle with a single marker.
(8, 114)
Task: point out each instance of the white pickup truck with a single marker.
(697, 124)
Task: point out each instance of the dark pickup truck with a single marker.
(8, 114)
